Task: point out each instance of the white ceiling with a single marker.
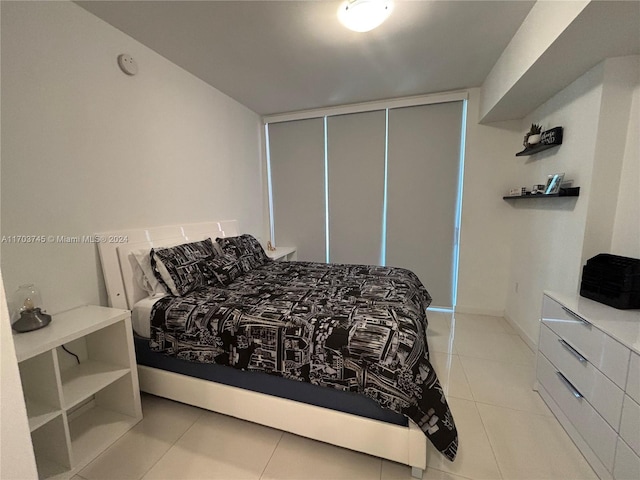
(284, 56)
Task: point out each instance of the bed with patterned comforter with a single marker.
(356, 328)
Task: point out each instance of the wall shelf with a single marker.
(564, 192)
(531, 150)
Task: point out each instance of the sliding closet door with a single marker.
(423, 171)
(355, 152)
(297, 178)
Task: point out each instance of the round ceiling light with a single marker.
(364, 15)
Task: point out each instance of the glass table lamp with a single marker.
(28, 312)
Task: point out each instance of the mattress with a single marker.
(141, 316)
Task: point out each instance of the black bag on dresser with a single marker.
(612, 280)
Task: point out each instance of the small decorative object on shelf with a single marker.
(29, 314)
(553, 183)
(547, 139)
(533, 137)
(270, 247)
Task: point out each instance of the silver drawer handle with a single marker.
(576, 316)
(569, 385)
(573, 351)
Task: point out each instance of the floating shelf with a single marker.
(538, 148)
(564, 192)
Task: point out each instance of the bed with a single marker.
(318, 311)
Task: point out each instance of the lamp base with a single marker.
(31, 320)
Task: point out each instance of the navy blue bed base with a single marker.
(346, 402)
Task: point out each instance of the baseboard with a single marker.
(533, 345)
(479, 311)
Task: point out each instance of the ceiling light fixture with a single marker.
(364, 15)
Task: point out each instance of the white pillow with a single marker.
(145, 277)
(144, 273)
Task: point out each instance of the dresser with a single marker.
(588, 373)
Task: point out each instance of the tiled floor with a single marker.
(506, 431)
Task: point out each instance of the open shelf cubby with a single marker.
(83, 397)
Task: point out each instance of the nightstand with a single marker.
(282, 254)
(77, 408)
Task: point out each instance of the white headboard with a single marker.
(114, 248)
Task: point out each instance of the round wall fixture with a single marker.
(127, 64)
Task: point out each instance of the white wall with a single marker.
(626, 229)
(620, 76)
(543, 25)
(552, 238)
(485, 245)
(86, 148)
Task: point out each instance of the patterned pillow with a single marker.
(225, 267)
(247, 249)
(183, 268)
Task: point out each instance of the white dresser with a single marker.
(588, 372)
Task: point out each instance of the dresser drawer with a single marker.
(591, 426)
(601, 392)
(630, 425)
(606, 354)
(633, 382)
(627, 465)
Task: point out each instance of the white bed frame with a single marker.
(407, 445)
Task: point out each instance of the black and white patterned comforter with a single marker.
(352, 327)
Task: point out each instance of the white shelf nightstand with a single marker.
(282, 254)
(76, 410)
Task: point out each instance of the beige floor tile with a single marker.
(218, 447)
(505, 384)
(502, 347)
(439, 321)
(482, 323)
(302, 458)
(138, 450)
(440, 341)
(475, 458)
(451, 375)
(397, 471)
(529, 446)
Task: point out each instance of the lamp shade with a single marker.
(364, 15)
(27, 314)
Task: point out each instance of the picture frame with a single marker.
(553, 183)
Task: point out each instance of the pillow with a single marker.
(247, 249)
(183, 268)
(144, 274)
(225, 267)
